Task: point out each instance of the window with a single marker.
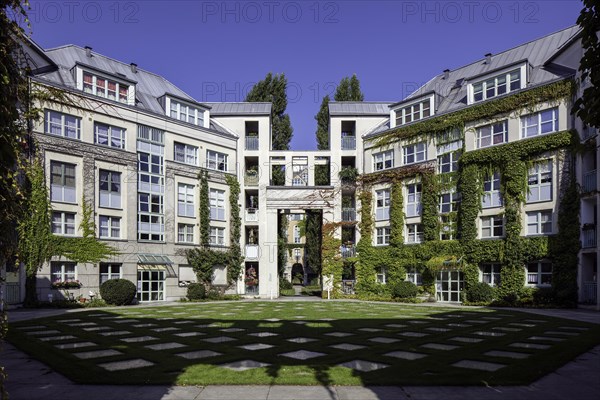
(216, 160)
(109, 271)
(299, 171)
(382, 206)
(151, 227)
(186, 153)
(110, 189)
(383, 160)
(539, 123)
(415, 153)
(217, 236)
(448, 227)
(297, 234)
(381, 275)
(63, 271)
(496, 86)
(490, 274)
(414, 233)
(108, 135)
(492, 226)
(448, 155)
(297, 253)
(109, 89)
(493, 134)
(413, 201)
(217, 204)
(413, 112)
(62, 125)
(110, 227)
(539, 222)
(185, 200)
(414, 276)
(186, 113)
(491, 192)
(62, 182)
(185, 233)
(539, 273)
(383, 236)
(150, 147)
(540, 182)
(150, 203)
(63, 223)
(449, 202)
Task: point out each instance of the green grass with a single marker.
(434, 369)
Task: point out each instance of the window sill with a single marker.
(111, 208)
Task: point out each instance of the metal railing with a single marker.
(348, 250)
(251, 178)
(590, 292)
(251, 215)
(348, 143)
(348, 214)
(589, 238)
(348, 286)
(251, 142)
(12, 293)
(589, 181)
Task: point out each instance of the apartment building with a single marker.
(133, 145)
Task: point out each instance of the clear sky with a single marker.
(216, 50)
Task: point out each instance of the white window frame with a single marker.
(414, 153)
(115, 136)
(113, 271)
(536, 276)
(216, 161)
(94, 89)
(186, 202)
(414, 276)
(492, 197)
(381, 275)
(109, 227)
(297, 238)
(539, 222)
(414, 112)
(217, 204)
(539, 182)
(489, 135)
(64, 223)
(491, 87)
(109, 198)
(62, 271)
(414, 233)
(451, 205)
(532, 124)
(61, 191)
(413, 200)
(383, 160)
(382, 204)
(151, 227)
(448, 155)
(217, 236)
(491, 223)
(185, 233)
(185, 153)
(65, 126)
(185, 112)
(383, 236)
(490, 273)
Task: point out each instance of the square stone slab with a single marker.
(189, 334)
(256, 346)
(405, 355)
(67, 346)
(383, 340)
(127, 364)
(561, 333)
(507, 354)
(480, 365)
(413, 334)
(98, 328)
(83, 324)
(301, 340)
(546, 338)
(302, 354)
(476, 321)
(347, 346)
(31, 327)
(139, 339)
(491, 318)
(53, 338)
(300, 322)
(439, 346)
(396, 326)
(244, 365)
(363, 366)
(488, 333)
(66, 321)
(43, 333)
(232, 330)
(522, 325)
(193, 355)
(530, 346)
(506, 329)
(418, 322)
(169, 329)
(96, 354)
(165, 346)
(466, 339)
(125, 321)
(143, 325)
(435, 329)
(535, 321)
(370, 330)
(219, 339)
(459, 325)
(339, 334)
(115, 333)
(183, 322)
(263, 334)
(273, 319)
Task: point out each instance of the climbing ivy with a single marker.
(204, 208)
(332, 262)
(234, 265)
(396, 215)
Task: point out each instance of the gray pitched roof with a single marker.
(359, 108)
(240, 108)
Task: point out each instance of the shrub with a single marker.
(284, 284)
(311, 291)
(196, 291)
(480, 292)
(287, 292)
(118, 292)
(404, 290)
(214, 294)
(95, 303)
(544, 296)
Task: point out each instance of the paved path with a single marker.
(31, 380)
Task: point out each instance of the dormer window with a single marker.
(104, 87)
(497, 85)
(414, 112)
(185, 112)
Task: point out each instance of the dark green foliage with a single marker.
(429, 202)
(287, 292)
(214, 294)
(285, 284)
(544, 296)
(404, 290)
(396, 215)
(312, 249)
(118, 292)
(348, 175)
(204, 208)
(480, 292)
(196, 291)
(322, 175)
(282, 243)
(349, 90)
(278, 175)
(273, 89)
(322, 118)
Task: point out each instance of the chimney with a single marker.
(88, 51)
(488, 58)
(133, 67)
(446, 73)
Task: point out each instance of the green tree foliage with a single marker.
(273, 89)
(347, 90)
(312, 249)
(587, 107)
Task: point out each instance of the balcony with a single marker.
(348, 143)
(589, 181)
(251, 142)
(251, 178)
(589, 292)
(348, 250)
(251, 215)
(348, 214)
(589, 237)
(252, 251)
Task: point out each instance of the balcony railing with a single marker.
(348, 214)
(348, 251)
(589, 238)
(252, 251)
(251, 178)
(589, 181)
(348, 143)
(590, 292)
(251, 142)
(251, 215)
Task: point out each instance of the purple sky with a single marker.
(216, 50)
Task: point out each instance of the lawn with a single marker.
(303, 343)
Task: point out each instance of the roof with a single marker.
(240, 108)
(359, 108)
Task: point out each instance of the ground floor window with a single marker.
(63, 271)
(414, 276)
(151, 285)
(449, 285)
(109, 271)
(381, 275)
(490, 274)
(251, 278)
(539, 273)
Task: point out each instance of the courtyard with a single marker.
(303, 343)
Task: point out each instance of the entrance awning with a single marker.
(156, 262)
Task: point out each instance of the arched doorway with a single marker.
(297, 274)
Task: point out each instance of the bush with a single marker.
(95, 303)
(196, 291)
(480, 292)
(544, 296)
(311, 291)
(118, 292)
(214, 294)
(287, 292)
(284, 284)
(404, 290)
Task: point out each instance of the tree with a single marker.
(347, 90)
(274, 89)
(587, 107)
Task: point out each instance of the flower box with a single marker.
(74, 284)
